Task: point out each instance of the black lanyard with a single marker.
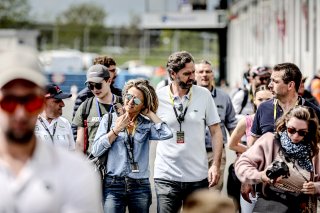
(180, 118)
(46, 128)
(129, 143)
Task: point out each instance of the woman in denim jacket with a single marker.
(127, 176)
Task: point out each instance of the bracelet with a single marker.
(114, 132)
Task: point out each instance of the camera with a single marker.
(277, 169)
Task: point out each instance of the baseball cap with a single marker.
(97, 73)
(54, 91)
(21, 63)
(259, 71)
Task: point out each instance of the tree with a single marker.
(85, 14)
(14, 13)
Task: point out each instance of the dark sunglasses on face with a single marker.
(264, 79)
(136, 100)
(31, 103)
(293, 131)
(112, 70)
(91, 85)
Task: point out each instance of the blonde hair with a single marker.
(207, 201)
(149, 94)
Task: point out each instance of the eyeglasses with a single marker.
(264, 79)
(136, 100)
(112, 70)
(91, 85)
(31, 103)
(293, 131)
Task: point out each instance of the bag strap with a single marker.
(245, 100)
(85, 113)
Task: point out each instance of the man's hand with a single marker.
(246, 189)
(213, 175)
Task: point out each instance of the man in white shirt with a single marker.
(181, 164)
(51, 127)
(34, 176)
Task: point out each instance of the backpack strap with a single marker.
(109, 121)
(245, 100)
(85, 113)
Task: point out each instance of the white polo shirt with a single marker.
(185, 162)
(53, 180)
(62, 135)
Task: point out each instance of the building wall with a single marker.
(267, 32)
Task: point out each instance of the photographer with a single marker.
(127, 181)
(287, 163)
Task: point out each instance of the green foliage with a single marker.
(14, 13)
(85, 14)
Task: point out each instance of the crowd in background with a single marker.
(271, 123)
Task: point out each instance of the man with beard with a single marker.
(35, 176)
(204, 76)
(51, 127)
(181, 164)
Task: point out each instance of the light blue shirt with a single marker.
(118, 163)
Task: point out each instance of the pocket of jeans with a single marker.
(109, 182)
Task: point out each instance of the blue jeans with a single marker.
(120, 192)
(172, 194)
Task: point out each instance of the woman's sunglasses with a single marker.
(293, 131)
(136, 100)
(91, 85)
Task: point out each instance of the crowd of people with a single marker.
(48, 164)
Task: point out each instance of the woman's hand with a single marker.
(151, 115)
(308, 188)
(122, 122)
(264, 178)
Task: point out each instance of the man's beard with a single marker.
(18, 138)
(184, 85)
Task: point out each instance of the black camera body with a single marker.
(277, 169)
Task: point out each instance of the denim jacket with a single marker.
(118, 163)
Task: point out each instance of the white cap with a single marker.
(21, 63)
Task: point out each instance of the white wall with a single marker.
(254, 36)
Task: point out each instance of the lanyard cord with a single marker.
(129, 143)
(46, 128)
(99, 109)
(180, 118)
(275, 103)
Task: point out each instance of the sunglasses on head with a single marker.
(31, 103)
(136, 100)
(91, 85)
(293, 131)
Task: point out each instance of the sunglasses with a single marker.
(136, 100)
(91, 85)
(31, 103)
(293, 131)
(264, 79)
(113, 70)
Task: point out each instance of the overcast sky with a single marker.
(119, 11)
